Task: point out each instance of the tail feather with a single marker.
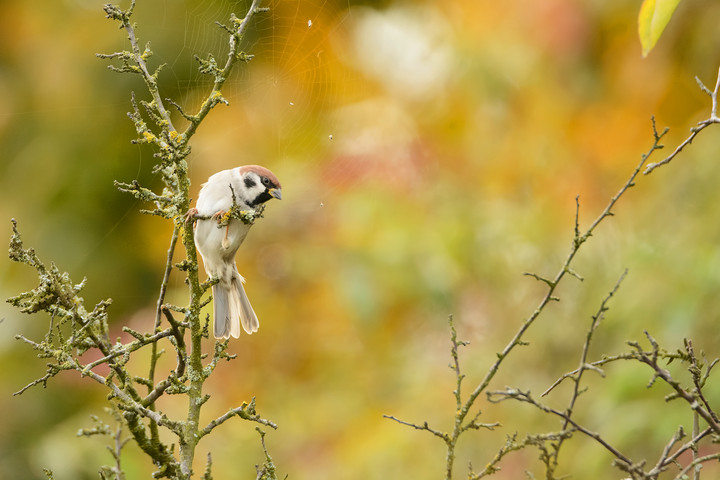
(221, 311)
(246, 313)
(231, 309)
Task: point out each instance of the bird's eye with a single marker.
(266, 181)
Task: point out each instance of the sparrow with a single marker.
(248, 187)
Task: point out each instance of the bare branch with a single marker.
(702, 125)
(424, 426)
(525, 397)
(652, 361)
(245, 411)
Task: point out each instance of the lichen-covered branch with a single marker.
(236, 30)
(75, 329)
(245, 411)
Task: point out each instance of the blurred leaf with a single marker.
(652, 20)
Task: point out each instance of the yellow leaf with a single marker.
(654, 17)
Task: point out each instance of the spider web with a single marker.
(281, 102)
(331, 95)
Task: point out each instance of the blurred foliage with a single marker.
(429, 154)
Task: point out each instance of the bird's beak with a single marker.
(275, 192)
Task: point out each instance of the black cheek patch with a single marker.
(262, 198)
(249, 182)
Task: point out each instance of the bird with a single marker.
(247, 186)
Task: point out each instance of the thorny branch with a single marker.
(461, 421)
(694, 397)
(464, 406)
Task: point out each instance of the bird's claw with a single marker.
(217, 216)
(190, 215)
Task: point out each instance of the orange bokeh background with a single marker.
(430, 153)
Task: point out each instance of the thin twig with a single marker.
(158, 315)
(662, 462)
(696, 463)
(578, 240)
(245, 411)
(712, 119)
(687, 446)
(596, 319)
(215, 97)
(652, 361)
(526, 398)
(129, 348)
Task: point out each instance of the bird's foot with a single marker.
(220, 216)
(190, 215)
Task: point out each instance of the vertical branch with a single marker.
(158, 315)
(195, 367)
(694, 449)
(117, 453)
(267, 470)
(166, 276)
(583, 366)
(457, 427)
